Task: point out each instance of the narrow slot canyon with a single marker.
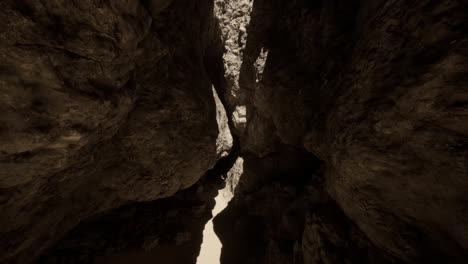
(233, 132)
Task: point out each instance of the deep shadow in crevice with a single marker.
(168, 229)
(271, 198)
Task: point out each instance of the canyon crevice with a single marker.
(351, 118)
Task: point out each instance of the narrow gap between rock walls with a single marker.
(210, 250)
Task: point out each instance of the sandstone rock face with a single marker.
(102, 103)
(233, 16)
(377, 91)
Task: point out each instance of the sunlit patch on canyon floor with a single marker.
(210, 251)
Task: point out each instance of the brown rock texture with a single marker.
(103, 103)
(377, 91)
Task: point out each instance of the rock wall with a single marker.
(377, 91)
(103, 103)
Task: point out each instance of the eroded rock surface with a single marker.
(377, 91)
(103, 103)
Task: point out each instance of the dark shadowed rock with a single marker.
(168, 230)
(376, 90)
(102, 104)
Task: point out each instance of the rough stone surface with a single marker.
(377, 91)
(233, 16)
(102, 103)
